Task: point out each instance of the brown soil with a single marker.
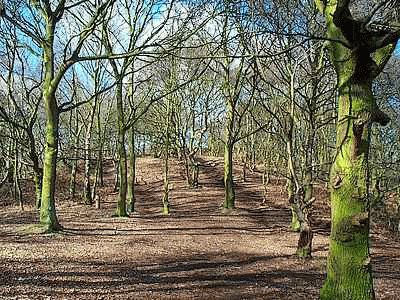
(196, 252)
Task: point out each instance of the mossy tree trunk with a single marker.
(48, 216)
(349, 270)
(359, 55)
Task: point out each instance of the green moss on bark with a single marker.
(349, 273)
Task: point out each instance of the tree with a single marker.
(47, 17)
(359, 51)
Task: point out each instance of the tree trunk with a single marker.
(294, 223)
(48, 216)
(8, 178)
(304, 246)
(357, 61)
(165, 200)
(87, 196)
(132, 172)
(229, 202)
(122, 165)
(74, 167)
(166, 187)
(349, 269)
(17, 183)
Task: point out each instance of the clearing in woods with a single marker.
(194, 253)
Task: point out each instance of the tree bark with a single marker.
(122, 165)
(132, 172)
(48, 216)
(349, 269)
(87, 196)
(358, 55)
(229, 202)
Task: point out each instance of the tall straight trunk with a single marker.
(165, 200)
(292, 183)
(265, 181)
(95, 181)
(132, 171)
(87, 196)
(349, 273)
(99, 164)
(48, 216)
(74, 167)
(229, 202)
(17, 183)
(122, 161)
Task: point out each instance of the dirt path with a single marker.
(195, 253)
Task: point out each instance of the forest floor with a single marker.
(196, 252)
